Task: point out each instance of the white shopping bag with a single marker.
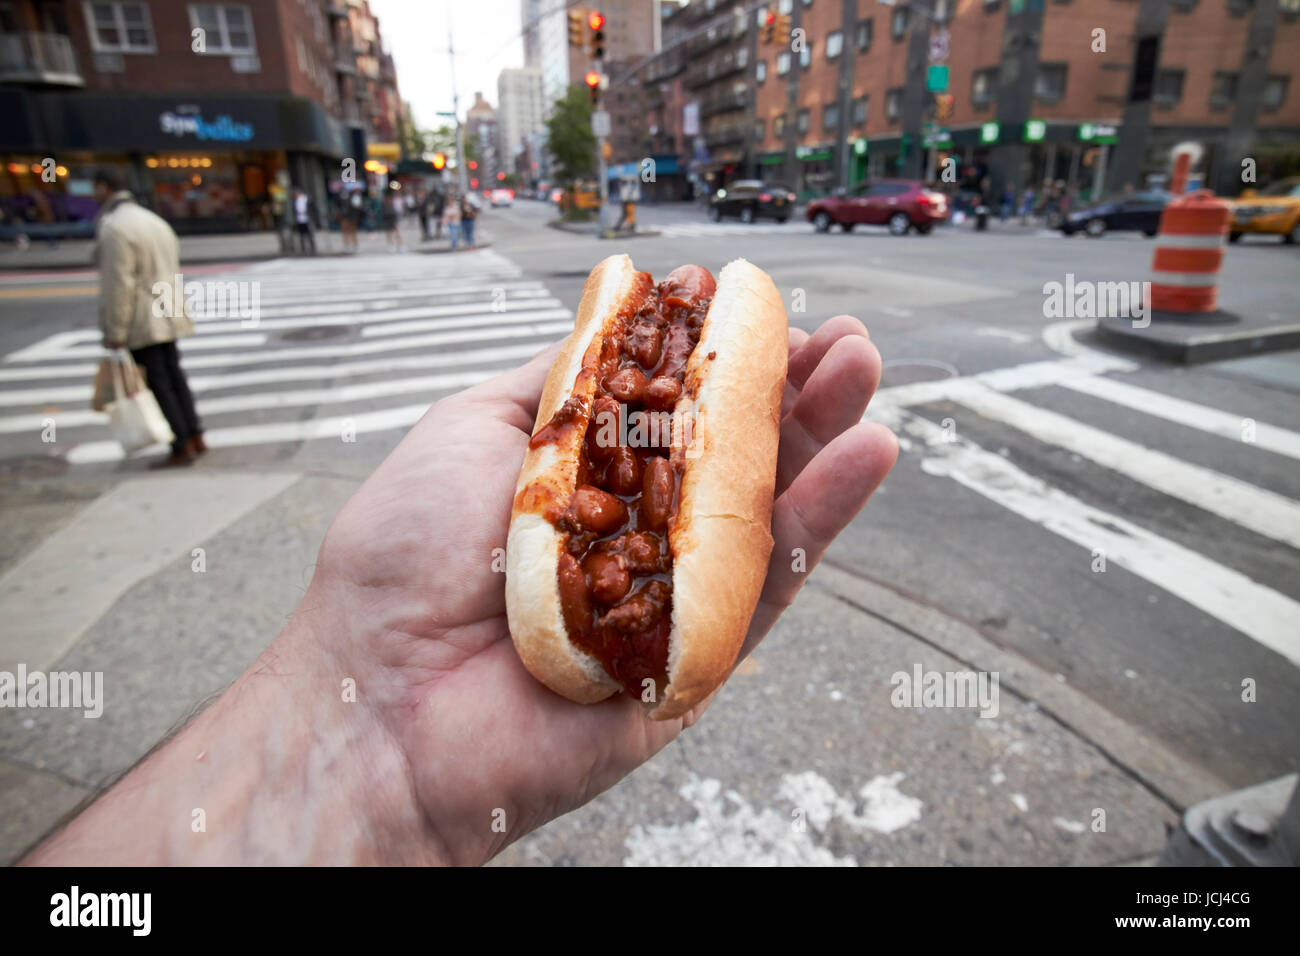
(135, 418)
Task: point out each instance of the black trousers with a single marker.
(305, 237)
(162, 366)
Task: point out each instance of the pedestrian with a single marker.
(451, 219)
(354, 209)
(136, 251)
(1027, 205)
(392, 212)
(425, 207)
(468, 216)
(439, 204)
(629, 194)
(1008, 204)
(302, 220)
(448, 726)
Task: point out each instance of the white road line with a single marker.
(201, 384)
(41, 352)
(1202, 417)
(1261, 511)
(1227, 595)
(271, 433)
(264, 401)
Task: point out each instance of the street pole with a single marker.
(462, 170)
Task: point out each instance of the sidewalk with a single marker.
(227, 247)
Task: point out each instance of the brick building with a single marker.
(210, 128)
(1094, 92)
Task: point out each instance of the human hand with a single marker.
(409, 596)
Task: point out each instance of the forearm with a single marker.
(280, 770)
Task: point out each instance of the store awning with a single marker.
(389, 151)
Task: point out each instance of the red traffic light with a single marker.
(771, 19)
(501, 176)
(439, 160)
(593, 79)
(473, 164)
(596, 20)
(473, 183)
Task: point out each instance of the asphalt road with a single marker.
(1124, 529)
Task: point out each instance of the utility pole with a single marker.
(462, 168)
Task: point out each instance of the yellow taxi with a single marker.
(1274, 210)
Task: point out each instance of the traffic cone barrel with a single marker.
(1189, 253)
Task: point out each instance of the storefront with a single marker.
(205, 163)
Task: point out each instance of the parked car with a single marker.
(1135, 212)
(502, 197)
(751, 199)
(900, 204)
(1274, 210)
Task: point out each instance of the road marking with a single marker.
(1004, 334)
(43, 352)
(76, 574)
(1261, 511)
(270, 433)
(1201, 417)
(1227, 595)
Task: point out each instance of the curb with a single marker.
(1196, 341)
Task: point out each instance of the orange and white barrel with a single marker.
(1189, 254)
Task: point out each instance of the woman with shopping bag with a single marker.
(136, 251)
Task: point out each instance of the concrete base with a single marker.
(1200, 337)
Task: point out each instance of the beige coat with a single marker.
(137, 250)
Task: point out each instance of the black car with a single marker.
(750, 199)
(1136, 212)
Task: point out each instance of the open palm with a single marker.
(415, 567)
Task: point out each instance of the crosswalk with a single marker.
(931, 420)
(329, 352)
(714, 230)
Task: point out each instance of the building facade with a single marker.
(211, 111)
(483, 130)
(1003, 94)
(520, 111)
(629, 37)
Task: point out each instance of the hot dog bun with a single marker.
(720, 537)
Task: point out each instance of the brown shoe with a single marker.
(176, 459)
(196, 445)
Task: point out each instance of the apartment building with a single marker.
(210, 128)
(1015, 92)
(629, 37)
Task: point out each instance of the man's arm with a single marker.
(116, 286)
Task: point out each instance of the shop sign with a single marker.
(1035, 130)
(221, 130)
(936, 78)
(989, 133)
(860, 146)
(1098, 134)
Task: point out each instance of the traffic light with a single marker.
(767, 33)
(783, 28)
(943, 104)
(473, 164)
(577, 28)
(596, 21)
(439, 161)
(593, 85)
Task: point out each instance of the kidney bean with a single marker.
(641, 610)
(575, 602)
(603, 431)
(597, 510)
(662, 393)
(645, 344)
(609, 580)
(627, 384)
(623, 474)
(657, 493)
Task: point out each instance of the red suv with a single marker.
(900, 204)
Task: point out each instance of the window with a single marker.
(863, 34)
(1049, 85)
(120, 27)
(831, 117)
(834, 44)
(1224, 90)
(1169, 87)
(760, 130)
(1239, 8)
(228, 27)
(760, 71)
(1275, 92)
(742, 56)
(1184, 6)
(782, 64)
(805, 55)
(778, 126)
(894, 104)
(941, 11)
(983, 86)
(1289, 8)
(801, 121)
(784, 6)
(898, 22)
(860, 111)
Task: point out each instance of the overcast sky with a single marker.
(415, 32)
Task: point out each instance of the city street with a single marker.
(1117, 537)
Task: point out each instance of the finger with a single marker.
(832, 401)
(797, 339)
(791, 394)
(810, 354)
(815, 508)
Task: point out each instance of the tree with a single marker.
(570, 140)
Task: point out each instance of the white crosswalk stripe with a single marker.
(329, 351)
(1132, 541)
(713, 230)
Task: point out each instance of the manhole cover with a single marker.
(37, 466)
(316, 333)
